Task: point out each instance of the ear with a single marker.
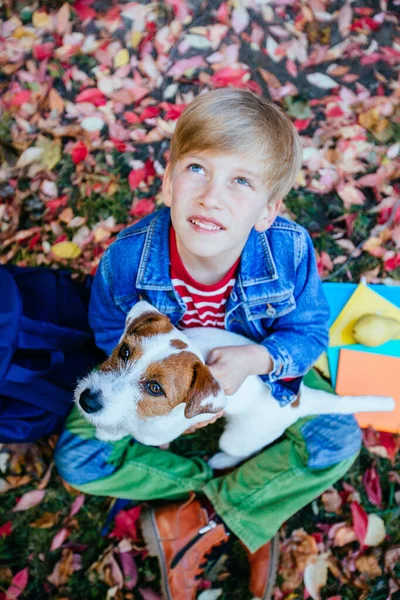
(205, 393)
(268, 216)
(167, 187)
(140, 308)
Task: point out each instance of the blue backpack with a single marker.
(45, 345)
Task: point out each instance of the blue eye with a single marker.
(195, 166)
(243, 179)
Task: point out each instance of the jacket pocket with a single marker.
(271, 308)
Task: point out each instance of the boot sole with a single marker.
(151, 537)
(273, 569)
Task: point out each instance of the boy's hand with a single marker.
(232, 364)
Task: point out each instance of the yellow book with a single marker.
(363, 301)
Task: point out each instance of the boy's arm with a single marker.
(106, 318)
(300, 337)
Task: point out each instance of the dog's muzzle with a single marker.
(90, 401)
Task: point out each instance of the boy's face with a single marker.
(215, 201)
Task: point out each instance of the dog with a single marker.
(155, 385)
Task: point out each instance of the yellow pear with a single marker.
(374, 330)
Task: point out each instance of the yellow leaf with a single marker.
(121, 58)
(135, 39)
(51, 152)
(66, 250)
(21, 32)
(42, 20)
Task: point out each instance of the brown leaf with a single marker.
(368, 565)
(55, 101)
(46, 520)
(63, 569)
(295, 554)
(15, 481)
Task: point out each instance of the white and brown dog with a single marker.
(155, 385)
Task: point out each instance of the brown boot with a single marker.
(263, 569)
(182, 537)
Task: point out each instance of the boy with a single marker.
(218, 255)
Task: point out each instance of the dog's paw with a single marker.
(220, 460)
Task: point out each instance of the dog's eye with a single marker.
(154, 388)
(124, 352)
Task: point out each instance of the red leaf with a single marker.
(83, 11)
(56, 203)
(34, 240)
(173, 111)
(301, 124)
(79, 152)
(365, 23)
(372, 484)
(92, 95)
(381, 440)
(135, 177)
(6, 529)
(131, 117)
(43, 51)
(21, 97)
(149, 166)
(142, 207)
(150, 112)
(125, 523)
(119, 146)
(392, 263)
(18, 584)
(360, 521)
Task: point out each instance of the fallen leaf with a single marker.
(46, 520)
(67, 250)
(368, 565)
(376, 531)
(372, 485)
(18, 584)
(59, 539)
(322, 81)
(316, 574)
(360, 521)
(29, 499)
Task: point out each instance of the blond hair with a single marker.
(232, 120)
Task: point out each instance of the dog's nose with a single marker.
(90, 401)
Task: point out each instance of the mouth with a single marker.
(205, 225)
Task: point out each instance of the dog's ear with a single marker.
(138, 310)
(148, 321)
(205, 394)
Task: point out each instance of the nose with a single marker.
(90, 401)
(212, 195)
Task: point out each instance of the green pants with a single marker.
(253, 500)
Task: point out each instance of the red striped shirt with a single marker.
(205, 304)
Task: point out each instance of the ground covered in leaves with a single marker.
(90, 93)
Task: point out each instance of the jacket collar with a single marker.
(256, 264)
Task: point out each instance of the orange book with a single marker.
(361, 374)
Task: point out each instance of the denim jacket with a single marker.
(277, 299)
